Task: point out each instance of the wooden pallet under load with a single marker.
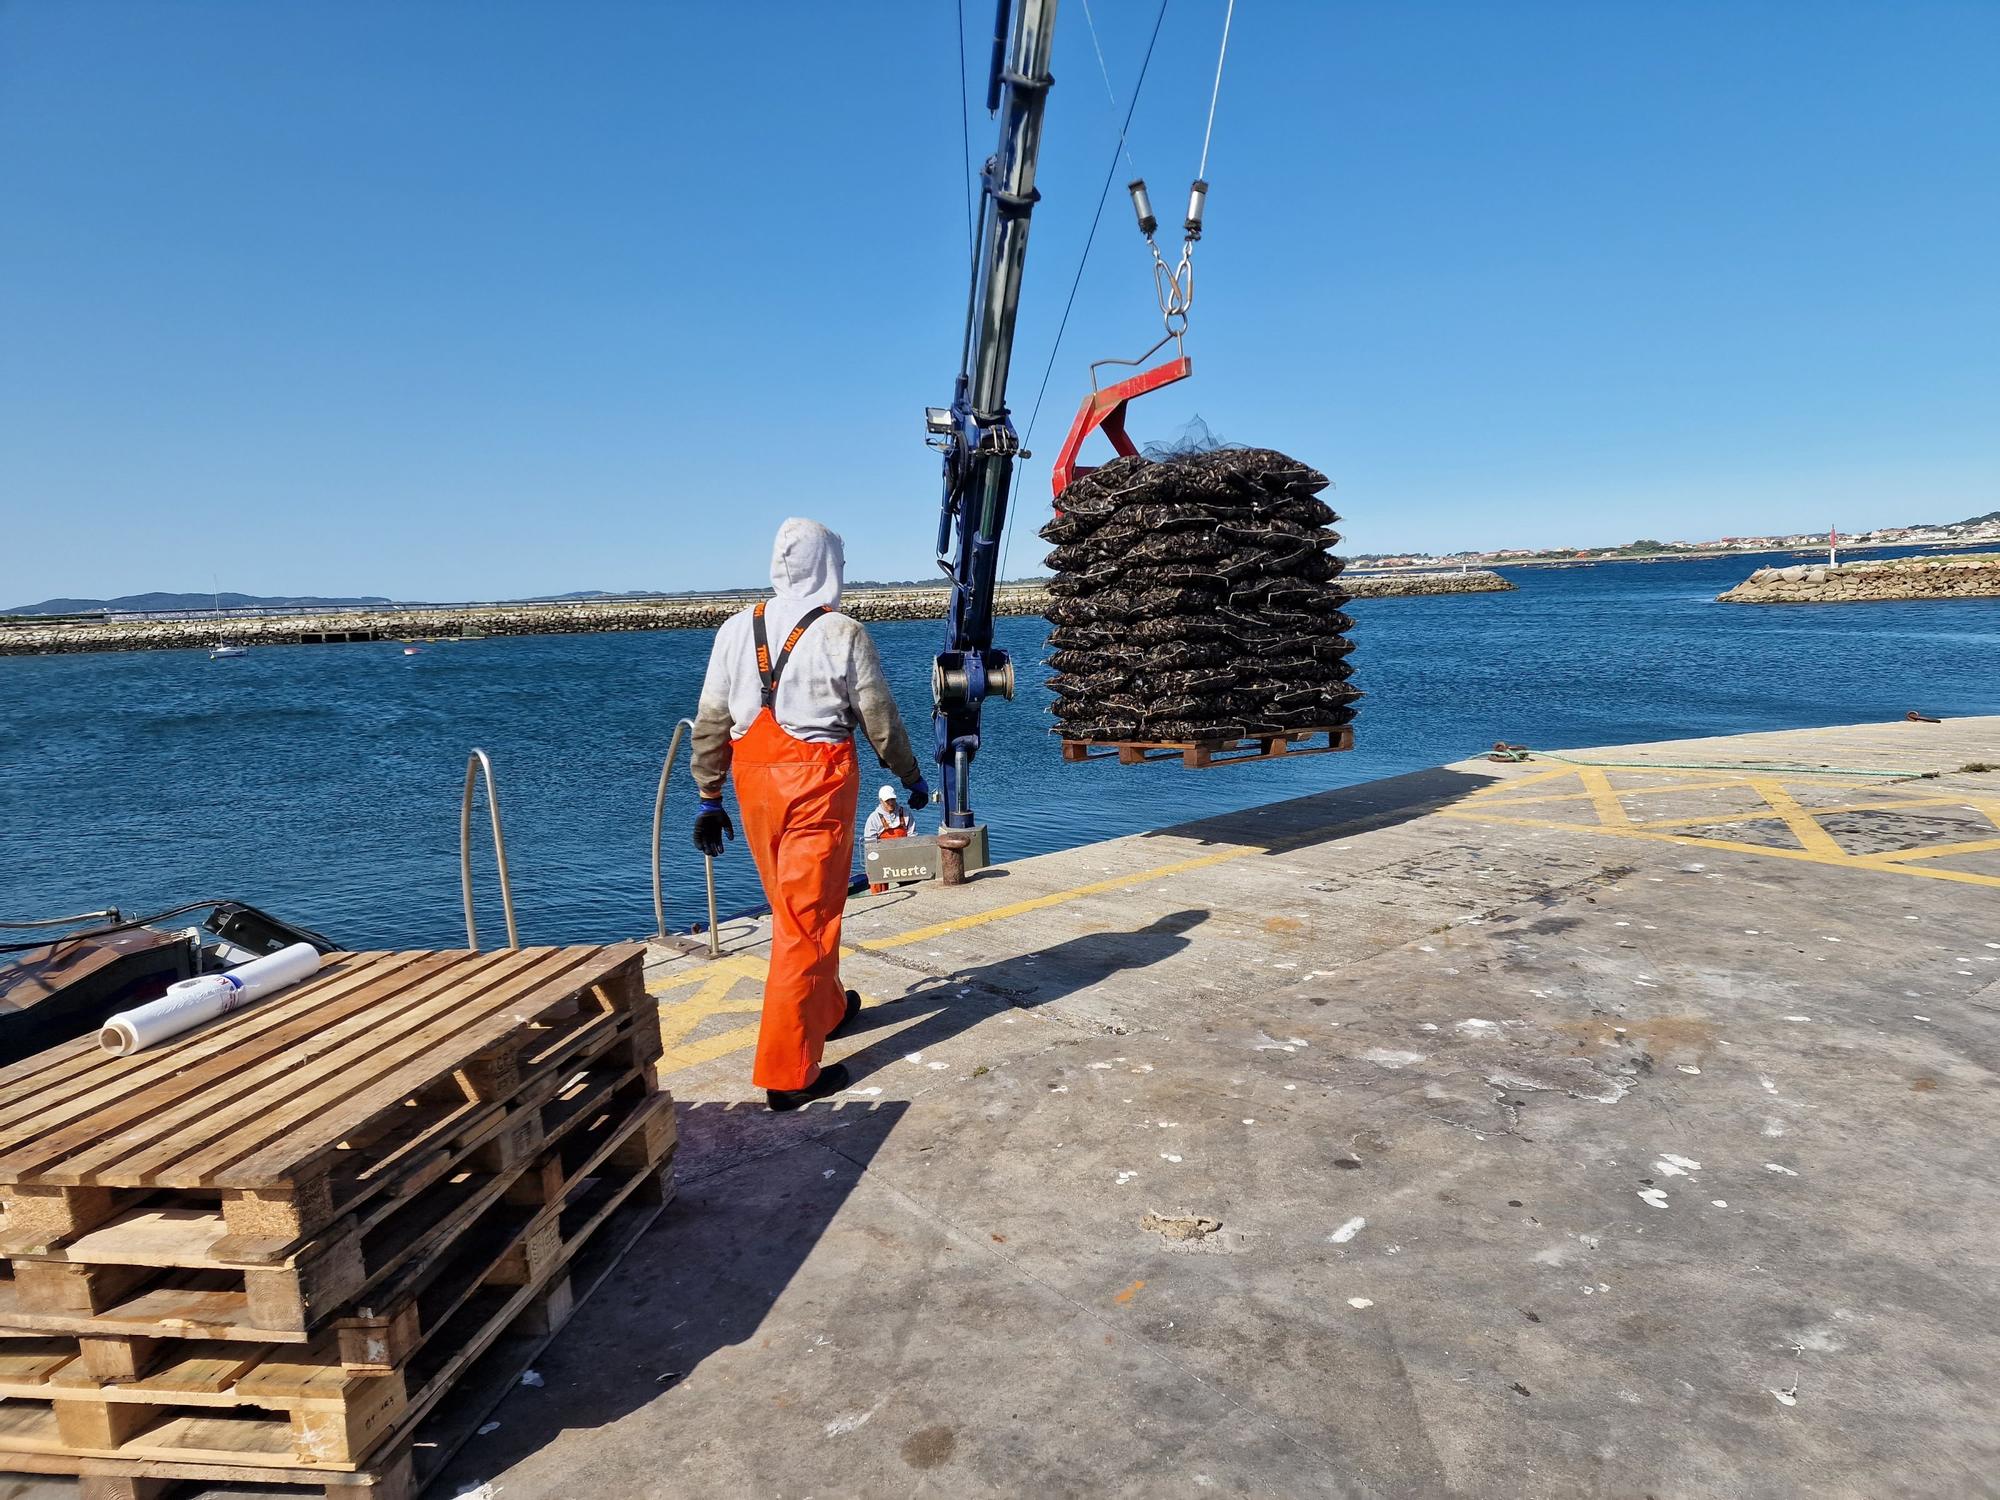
(1201, 755)
(282, 1244)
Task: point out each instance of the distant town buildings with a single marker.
(1975, 531)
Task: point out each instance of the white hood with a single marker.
(807, 563)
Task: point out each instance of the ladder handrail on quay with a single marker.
(478, 764)
(660, 934)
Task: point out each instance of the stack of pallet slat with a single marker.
(270, 1249)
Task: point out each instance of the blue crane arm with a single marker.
(976, 433)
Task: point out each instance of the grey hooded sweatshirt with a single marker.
(832, 684)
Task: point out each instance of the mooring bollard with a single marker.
(952, 844)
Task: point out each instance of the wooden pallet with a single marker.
(1202, 755)
(157, 1274)
(288, 1116)
(226, 1412)
(416, 1453)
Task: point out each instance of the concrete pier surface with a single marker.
(1543, 1129)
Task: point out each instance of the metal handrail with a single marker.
(683, 728)
(478, 764)
(110, 912)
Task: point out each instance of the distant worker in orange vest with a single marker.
(888, 821)
(783, 721)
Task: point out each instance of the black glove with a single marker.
(920, 795)
(710, 824)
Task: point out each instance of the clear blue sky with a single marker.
(454, 300)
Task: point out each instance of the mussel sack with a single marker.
(1196, 598)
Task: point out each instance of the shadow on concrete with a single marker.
(966, 997)
(756, 1192)
(1321, 817)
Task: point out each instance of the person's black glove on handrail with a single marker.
(710, 824)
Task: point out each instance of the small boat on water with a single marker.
(222, 650)
(413, 650)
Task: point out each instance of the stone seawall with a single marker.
(421, 623)
(1872, 582)
(1405, 585)
(581, 618)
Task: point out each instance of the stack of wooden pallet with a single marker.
(312, 1242)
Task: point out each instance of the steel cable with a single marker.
(1103, 195)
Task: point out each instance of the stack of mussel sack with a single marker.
(1195, 600)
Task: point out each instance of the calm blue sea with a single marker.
(322, 782)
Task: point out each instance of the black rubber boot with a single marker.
(847, 1021)
(832, 1079)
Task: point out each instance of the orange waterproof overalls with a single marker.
(798, 799)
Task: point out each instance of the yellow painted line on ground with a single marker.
(1514, 783)
(732, 966)
(1055, 898)
(712, 983)
(1321, 834)
(1808, 832)
(1610, 811)
(1931, 851)
(1629, 791)
(709, 1048)
(1765, 814)
(1500, 795)
(1842, 862)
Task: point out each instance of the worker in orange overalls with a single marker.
(782, 719)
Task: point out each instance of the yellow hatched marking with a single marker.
(1512, 784)
(712, 983)
(1688, 841)
(724, 971)
(1502, 794)
(1765, 814)
(1610, 811)
(1932, 851)
(709, 1048)
(1584, 796)
(1804, 828)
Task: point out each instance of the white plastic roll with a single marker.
(194, 1002)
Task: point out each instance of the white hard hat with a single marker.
(887, 794)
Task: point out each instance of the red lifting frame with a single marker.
(1106, 409)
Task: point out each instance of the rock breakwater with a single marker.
(1402, 585)
(1973, 577)
(25, 635)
